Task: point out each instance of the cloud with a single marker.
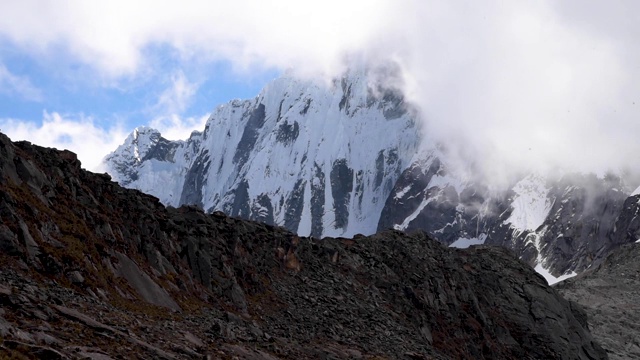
(113, 36)
(76, 133)
(177, 97)
(176, 127)
(524, 86)
(507, 86)
(167, 113)
(11, 84)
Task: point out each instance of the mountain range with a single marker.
(351, 156)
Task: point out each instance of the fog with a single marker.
(508, 87)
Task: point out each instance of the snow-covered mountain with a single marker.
(559, 225)
(319, 159)
(349, 157)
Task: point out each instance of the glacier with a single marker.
(319, 159)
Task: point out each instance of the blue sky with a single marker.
(171, 93)
(534, 84)
(70, 88)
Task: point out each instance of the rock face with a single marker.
(349, 158)
(558, 225)
(99, 271)
(609, 294)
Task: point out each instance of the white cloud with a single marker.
(176, 127)
(167, 113)
(11, 84)
(113, 35)
(177, 97)
(506, 85)
(518, 86)
(78, 134)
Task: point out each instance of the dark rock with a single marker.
(250, 134)
(34, 351)
(258, 291)
(8, 241)
(76, 277)
(143, 284)
(341, 177)
(608, 302)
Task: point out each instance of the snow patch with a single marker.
(410, 218)
(402, 192)
(463, 243)
(540, 269)
(531, 205)
(550, 278)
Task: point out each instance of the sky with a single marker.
(508, 86)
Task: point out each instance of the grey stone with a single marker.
(33, 250)
(45, 338)
(76, 277)
(143, 284)
(608, 301)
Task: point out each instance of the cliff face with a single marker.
(92, 269)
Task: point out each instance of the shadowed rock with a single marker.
(252, 290)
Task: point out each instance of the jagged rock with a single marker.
(76, 277)
(143, 284)
(255, 290)
(45, 338)
(33, 249)
(193, 340)
(564, 225)
(5, 327)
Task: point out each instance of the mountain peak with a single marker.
(299, 150)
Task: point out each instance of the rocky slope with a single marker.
(349, 158)
(610, 294)
(90, 269)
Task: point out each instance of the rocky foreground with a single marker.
(93, 270)
(610, 294)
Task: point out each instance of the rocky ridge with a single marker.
(91, 269)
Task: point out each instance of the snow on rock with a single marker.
(463, 243)
(531, 204)
(403, 226)
(550, 278)
(317, 158)
(348, 157)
